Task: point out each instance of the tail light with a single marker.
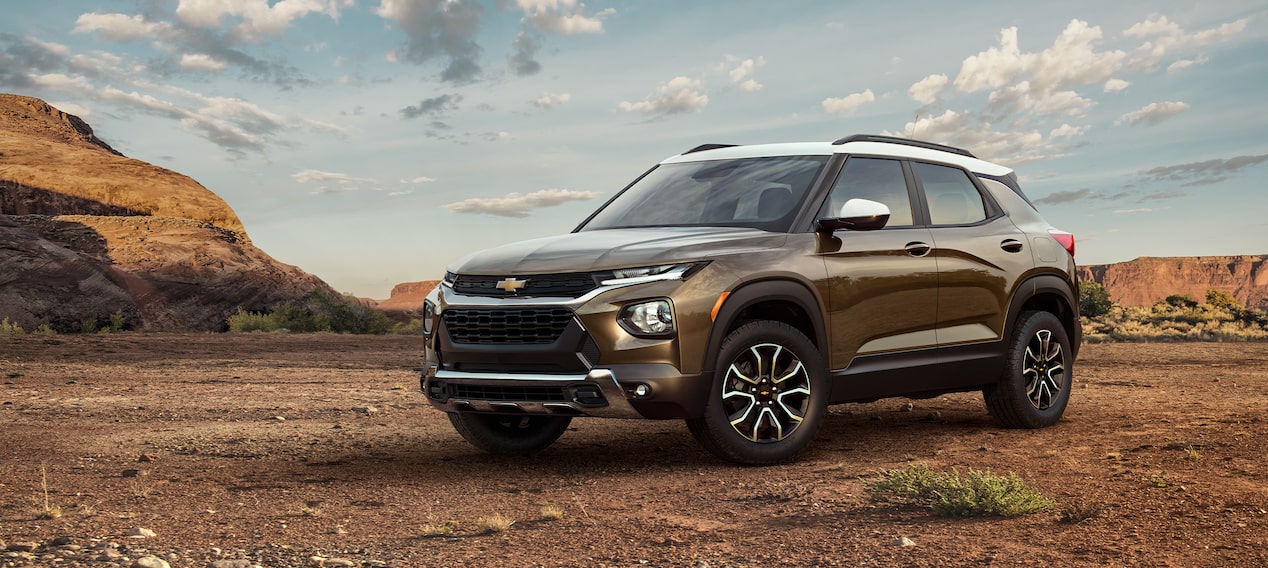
(1066, 239)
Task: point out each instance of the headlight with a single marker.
(680, 271)
(651, 318)
(449, 279)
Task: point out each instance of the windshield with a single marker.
(761, 193)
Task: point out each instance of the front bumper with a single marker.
(665, 394)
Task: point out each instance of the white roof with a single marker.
(827, 149)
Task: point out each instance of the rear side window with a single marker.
(951, 195)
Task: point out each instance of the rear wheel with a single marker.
(1034, 388)
(768, 396)
(506, 434)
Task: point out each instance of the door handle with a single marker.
(917, 248)
(1011, 245)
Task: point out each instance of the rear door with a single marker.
(980, 254)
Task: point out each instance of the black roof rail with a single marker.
(704, 147)
(903, 141)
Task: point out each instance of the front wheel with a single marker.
(1034, 388)
(505, 434)
(768, 396)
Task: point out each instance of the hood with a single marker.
(616, 248)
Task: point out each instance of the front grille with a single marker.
(518, 326)
(508, 394)
(553, 285)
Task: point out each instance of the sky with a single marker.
(372, 142)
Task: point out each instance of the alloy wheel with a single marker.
(766, 393)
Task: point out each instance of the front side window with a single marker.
(952, 197)
(876, 180)
(760, 193)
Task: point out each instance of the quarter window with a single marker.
(952, 197)
(877, 180)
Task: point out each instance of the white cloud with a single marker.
(678, 95)
(1185, 64)
(517, 205)
(64, 83)
(1022, 98)
(73, 108)
(994, 67)
(926, 91)
(438, 28)
(1165, 36)
(564, 17)
(259, 17)
(306, 176)
(1131, 211)
(552, 100)
(1153, 113)
(1071, 60)
(1067, 131)
(849, 103)
(421, 179)
(741, 74)
(119, 27)
(201, 62)
(1010, 146)
(1115, 85)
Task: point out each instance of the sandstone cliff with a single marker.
(86, 232)
(1146, 280)
(407, 296)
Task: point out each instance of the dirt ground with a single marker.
(314, 450)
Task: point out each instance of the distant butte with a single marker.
(1145, 280)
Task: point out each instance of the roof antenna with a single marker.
(914, 122)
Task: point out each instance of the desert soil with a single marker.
(309, 450)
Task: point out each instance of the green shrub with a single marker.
(1222, 299)
(414, 327)
(976, 493)
(1094, 301)
(1180, 301)
(245, 321)
(10, 328)
(45, 329)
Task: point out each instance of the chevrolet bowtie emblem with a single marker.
(511, 285)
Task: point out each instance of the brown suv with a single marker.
(745, 288)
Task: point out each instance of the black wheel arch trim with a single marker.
(1046, 284)
(752, 293)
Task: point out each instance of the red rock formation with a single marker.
(1144, 281)
(408, 296)
(86, 233)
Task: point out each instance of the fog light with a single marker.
(654, 318)
(642, 390)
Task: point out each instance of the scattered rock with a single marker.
(364, 409)
(109, 555)
(146, 458)
(907, 407)
(235, 563)
(23, 546)
(280, 418)
(150, 562)
(343, 562)
(61, 541)
(140, 532)
(131, 473)
(904, 542)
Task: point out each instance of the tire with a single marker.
(1034, 388)
(506, 434)
(771, 369)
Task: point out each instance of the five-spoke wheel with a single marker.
(768, 395)
(1034, 388)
